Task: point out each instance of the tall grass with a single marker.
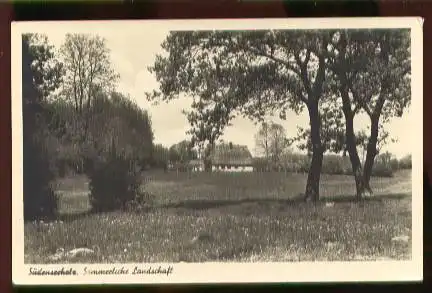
(247, 216)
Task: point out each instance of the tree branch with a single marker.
(356, 108)
(275, 59)
(361, 103)
(308, 55)
(379, 104)
(303, 99)
(320, 74)
(303, 73)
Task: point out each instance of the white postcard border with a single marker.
(226, 272)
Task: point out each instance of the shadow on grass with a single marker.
(63, 217)
(70, 217)
(209, 204)
(380, 197)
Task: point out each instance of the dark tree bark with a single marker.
(371, 150)
(314, 92)
(362, 186)
(314, 174)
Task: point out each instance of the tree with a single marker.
(88, 72)
(405, 162)
(351, 54)
(373, 72)
(182, 152)
(115, 119)
(160, 156)
(362, 139)
(39, 198)
(271, 141)
(248, 73)
(60, 122)
(331, 129)
(262, 140)
(389, 84)
(47, 70)
(119, 146)
(346, 58)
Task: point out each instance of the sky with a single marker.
(133, 51)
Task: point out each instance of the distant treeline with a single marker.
(385, 164)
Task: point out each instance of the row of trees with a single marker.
(74, 121)
(385, 164)
(275, 152)
(332, 74)
(179, 153)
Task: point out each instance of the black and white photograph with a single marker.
(206, 151)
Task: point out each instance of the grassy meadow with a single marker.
(241, 217)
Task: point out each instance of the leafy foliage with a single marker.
(47, 70)
(119, 146)
(115, 179)
(331, 129)
(182, 152)
(271, 141)
(332, 165)
(40, 202)
(160, 156)
(227, 72)
(39, 199)
(248, 73)
(405, 162)
(88, 74)
(336, 165)
(118, 118)
(383, 87)
(77, 128)
(254, 73)
(385, 165)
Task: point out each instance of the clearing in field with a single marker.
(243, 217)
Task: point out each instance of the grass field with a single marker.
(232, 217)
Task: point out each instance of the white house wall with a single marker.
(232, 169)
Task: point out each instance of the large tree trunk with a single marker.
(313, 180)
(362, 188)
(371, 151)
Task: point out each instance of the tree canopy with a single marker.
(271, 141)
(331, 73)
(182, 152)
(250, 73)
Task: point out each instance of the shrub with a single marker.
(394, 164)
(382, 170)
(383, 166)
(297, 163)
(260, 164)
(115, 179)
(303, 163)
(38, 198)
(40, 202)
(333, 164)
(405, 162)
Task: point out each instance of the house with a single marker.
(227, 158)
